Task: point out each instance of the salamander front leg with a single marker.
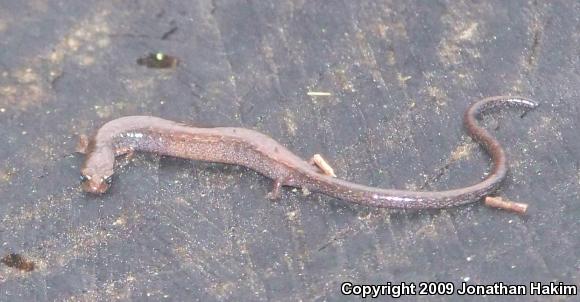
(127, 154)
(82, 144)
(275, 193)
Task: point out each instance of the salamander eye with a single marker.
(85, 178)
(109, 179)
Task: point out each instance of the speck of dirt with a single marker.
(18, 261)
(158, 60)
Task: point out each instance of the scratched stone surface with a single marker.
(398, 74)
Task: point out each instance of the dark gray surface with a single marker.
(400, 73)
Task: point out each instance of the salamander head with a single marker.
(97, 172)
(96, 184)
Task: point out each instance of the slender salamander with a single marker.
(263, 154)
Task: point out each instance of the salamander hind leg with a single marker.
(275, 193)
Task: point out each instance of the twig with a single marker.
(498, 202)
(319, 161)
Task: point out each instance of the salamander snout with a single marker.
(95, 184)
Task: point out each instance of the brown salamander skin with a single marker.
(263, 154)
